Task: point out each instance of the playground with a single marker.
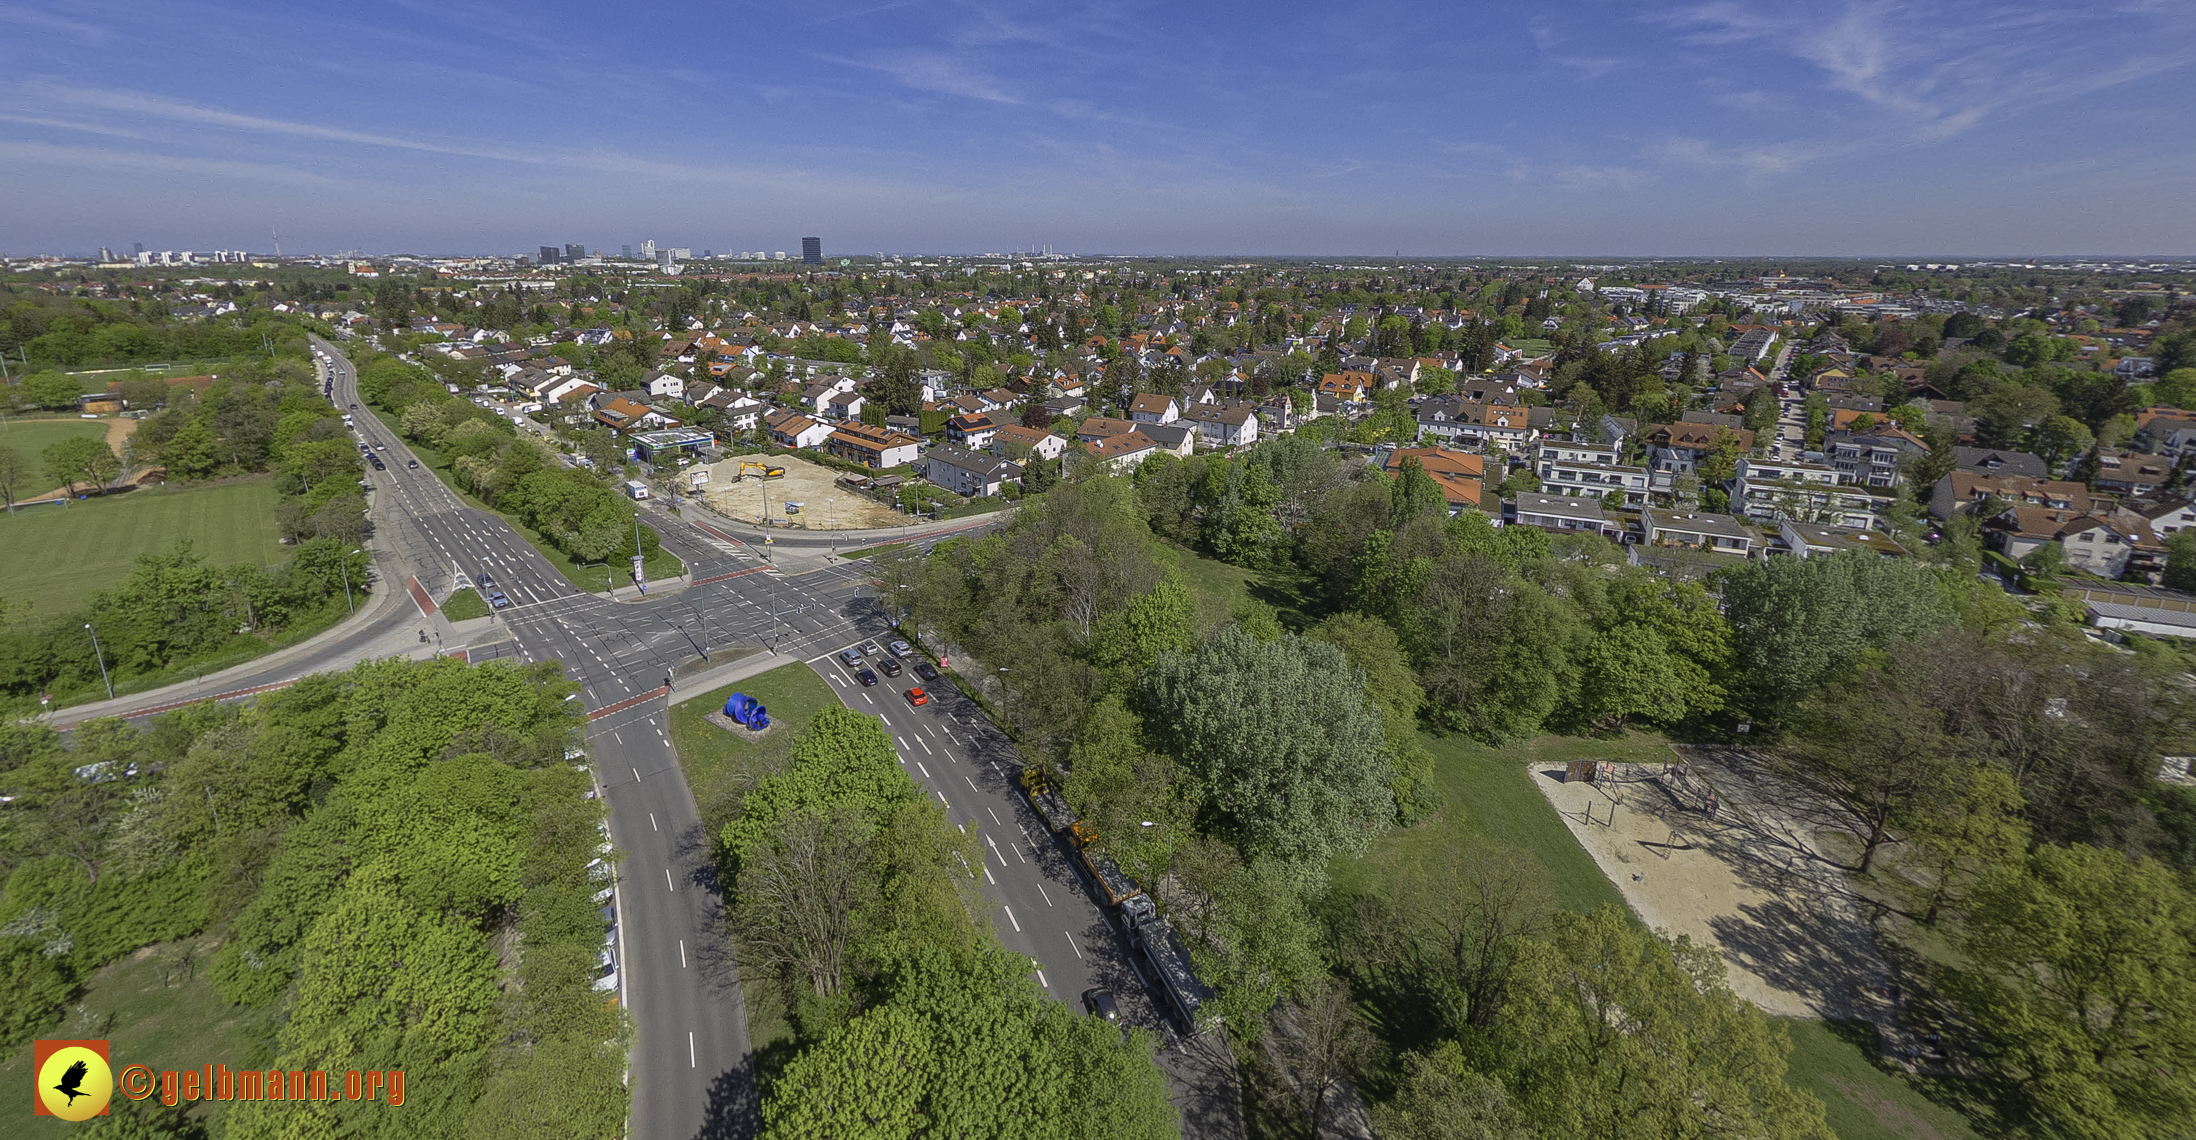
(825, 503)
(1708, 845)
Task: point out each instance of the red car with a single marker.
(916, 696)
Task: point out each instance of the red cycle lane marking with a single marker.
(420, 597)
(629, 702)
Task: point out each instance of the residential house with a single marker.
(2170, 432)
(1812, 540)
(2108, 546)
(1962, 491)
(740, 413)
(792, 429)
(1040, 443)
(664, 386)
(1099, 427)
(1347, 387)
(1681, 447)
(971, 474)
(1153, 409)
(872, 446)
(2170, 516)
(1223, 425)
(1563, 514)
(1589, 469)
(1453, 422)
(971, 431)
(1991, 461)
(1122, 452)
(844, 407)
(1721, 534)
(2132, 472)
(1768, 489)
(620, 414)
(1871, 459)
(1178, 438)
(1460, 475)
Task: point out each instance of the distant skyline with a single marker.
(1937, 130)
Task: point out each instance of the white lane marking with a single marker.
(870, 699)
(972, 786)
(995, 767)
(636, 775)
(690, 1050)
(987, 875)
(1010, 917)
(925, 744)
(994, 815)
(919, 767)
(682, 953)
(667, 880)
(652, 822)
(995, 850)
(1071, 944)
(940, 795)
(902, 740)
(1048, 897)
(1041, 980)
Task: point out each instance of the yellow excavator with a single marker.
(761, 470)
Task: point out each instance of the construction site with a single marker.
(749, 488)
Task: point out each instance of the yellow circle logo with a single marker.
(75, 1083)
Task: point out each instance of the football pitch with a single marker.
(55, 557)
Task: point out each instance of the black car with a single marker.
(1099, 1003)
(486, 582)
(926, 671)
(412, 463)
(891, 667)
(866, 676)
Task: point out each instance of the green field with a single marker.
(164, 1014)
(720, 766)
(56, 557)
(31, 438)
(1838, 1063)
(464, 605)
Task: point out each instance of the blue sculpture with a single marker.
(748, 711)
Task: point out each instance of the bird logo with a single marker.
(74, 1080)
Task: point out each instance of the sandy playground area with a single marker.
(1745, 880)
(826, 504)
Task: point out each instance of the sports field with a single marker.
(31, 438)
(55, 557)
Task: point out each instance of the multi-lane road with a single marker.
(690, 1058)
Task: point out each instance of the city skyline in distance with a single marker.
(1962, 130)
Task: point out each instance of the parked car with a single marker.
(866, 676)
(926, 670)
(917, 697)
(891, 667)
(606, 972)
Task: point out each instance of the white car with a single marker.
(606, 972)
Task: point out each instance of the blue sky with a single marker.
(1944, 128)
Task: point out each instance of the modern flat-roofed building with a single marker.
(812, 250)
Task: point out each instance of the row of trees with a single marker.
(395, 859)
(855, 894)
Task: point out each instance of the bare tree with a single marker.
(1318, 1041)
(799, 894)
(13, 470)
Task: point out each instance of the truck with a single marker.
(636, 490)
(1050, 804)
(1155, 941)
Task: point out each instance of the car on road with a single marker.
(866, 676)
(852, 658)
(891, 667)
(487, 582)
(917, 697)
(354, 405)
(1100, 1003)
(497, 600)
(869, 648)
(900, 649)
(412, 463)
(380, 446)
(926, 671)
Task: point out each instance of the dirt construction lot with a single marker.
(825, 503)
(1745, 880)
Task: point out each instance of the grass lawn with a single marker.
(30, 439)
(720, 766)
(662, 564)
(465, 604)
(56, 557)
(1863, 1102)
(170, 1022)
(1488, 798)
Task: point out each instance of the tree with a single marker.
(81, 459)
(189, 453)
(14, 471)
(1626, 672)
(1876, 750)
(1612, 1030)
(2176, 389)
(50, 389)
(1281, 750)
(865, 1080)
(1796, 620)
(800, 889)
(844, 760)
(2180, 573)
(2058, 439)
(2083, 982)
(1440, 1097)
(1319, 1042)
(1251, 938)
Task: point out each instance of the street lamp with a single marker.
(608, 582)
(101, 655)
(345, 567)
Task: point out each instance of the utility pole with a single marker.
(101, 655)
